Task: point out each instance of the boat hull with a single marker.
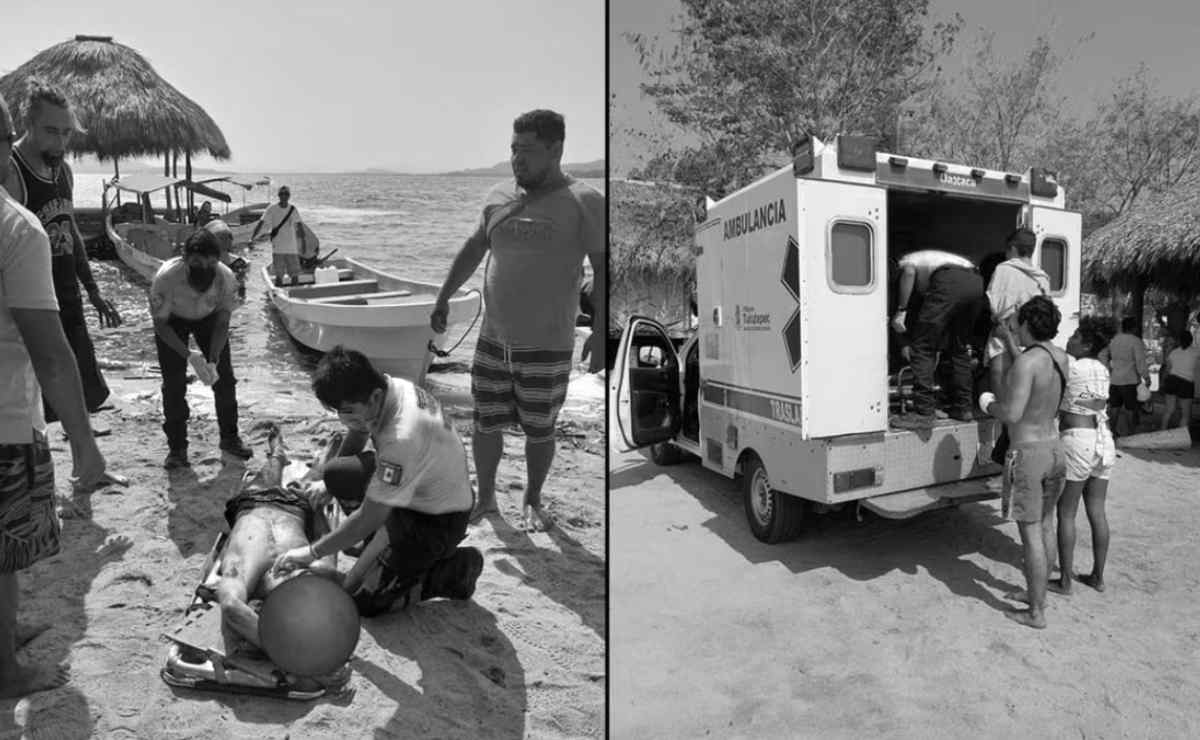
(391, 330)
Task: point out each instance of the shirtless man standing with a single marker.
(1035, 467)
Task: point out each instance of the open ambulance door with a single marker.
(1059, 253)
(644, 392)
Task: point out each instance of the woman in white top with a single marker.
(1090, 452)
(1179, 378)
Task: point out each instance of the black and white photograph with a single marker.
(903, 309)
(301, 411)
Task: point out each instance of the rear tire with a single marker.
(773, 516)
(665, 453)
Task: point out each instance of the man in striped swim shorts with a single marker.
(536, 232)
(35, 358)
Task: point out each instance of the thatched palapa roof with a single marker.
(127, 109)
(1156, 243)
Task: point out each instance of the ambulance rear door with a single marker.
(842, 261)
(1059, 254)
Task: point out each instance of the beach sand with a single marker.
(894, 628)
(524, 658)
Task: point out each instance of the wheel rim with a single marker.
(760, 496)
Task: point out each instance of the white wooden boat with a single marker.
(241, 220)
(383, 316)
(145, 244)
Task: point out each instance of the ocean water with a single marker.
(410, 225)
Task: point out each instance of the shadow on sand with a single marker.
(938, 541)
(57, 587)
(470, 682)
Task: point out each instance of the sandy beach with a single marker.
(524, 658)
(894, 628)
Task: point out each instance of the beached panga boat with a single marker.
(146, 242)
(364, 308)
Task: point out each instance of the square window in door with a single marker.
(1054, 262)
(850, 256)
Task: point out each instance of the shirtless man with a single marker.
(267, 518)
(1035, 467)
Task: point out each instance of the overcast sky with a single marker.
(1162, 33)
(346, 85)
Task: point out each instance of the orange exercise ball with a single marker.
(308, 625)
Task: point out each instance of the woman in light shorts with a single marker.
(1088, 446)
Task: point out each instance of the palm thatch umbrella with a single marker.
(652, 266)
(127, 109)
(1154, 244)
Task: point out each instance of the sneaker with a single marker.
(237, 448)
(177, 459)
(914, 421)
(454, 577)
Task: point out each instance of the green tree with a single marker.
(749, 78)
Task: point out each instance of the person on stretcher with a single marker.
(267, 518)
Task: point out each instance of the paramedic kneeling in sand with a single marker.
(411, 497)
(949, 292)
(195, 295)
(1035, 466)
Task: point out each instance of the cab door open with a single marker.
(644, 393)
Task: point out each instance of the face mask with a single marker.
(51, 159)
(201, 278)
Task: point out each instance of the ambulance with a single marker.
(789, 380)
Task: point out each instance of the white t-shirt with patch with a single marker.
(420, 461)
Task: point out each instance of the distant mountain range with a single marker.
(595, 168)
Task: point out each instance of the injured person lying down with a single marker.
(267, 517)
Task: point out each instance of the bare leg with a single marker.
(1168, 412)
(487, 449)
(538, 458)
(1068, 508)
(1093, 503)
(1035, 577)
(1185, 415)
(17, 680)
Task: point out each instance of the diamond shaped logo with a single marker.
(791, 269)
(791, 281)
(791, 338)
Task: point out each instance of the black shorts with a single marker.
(1179, 387)
(416, 541)
(1124, 396)
(277, 498)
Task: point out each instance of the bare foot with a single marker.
(27, 633)
(31, 679)
(1061, 586)
(483, 507)
(1028, 618)
(534, 520)
(1090, 579)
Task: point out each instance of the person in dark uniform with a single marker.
(949, 300)
(41, 180)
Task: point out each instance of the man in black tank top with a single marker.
(41, 180)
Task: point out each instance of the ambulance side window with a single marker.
(851, 257)
(1054, 262)
(651, 356)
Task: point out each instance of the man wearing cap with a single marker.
(946, 293)
(283, 220)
